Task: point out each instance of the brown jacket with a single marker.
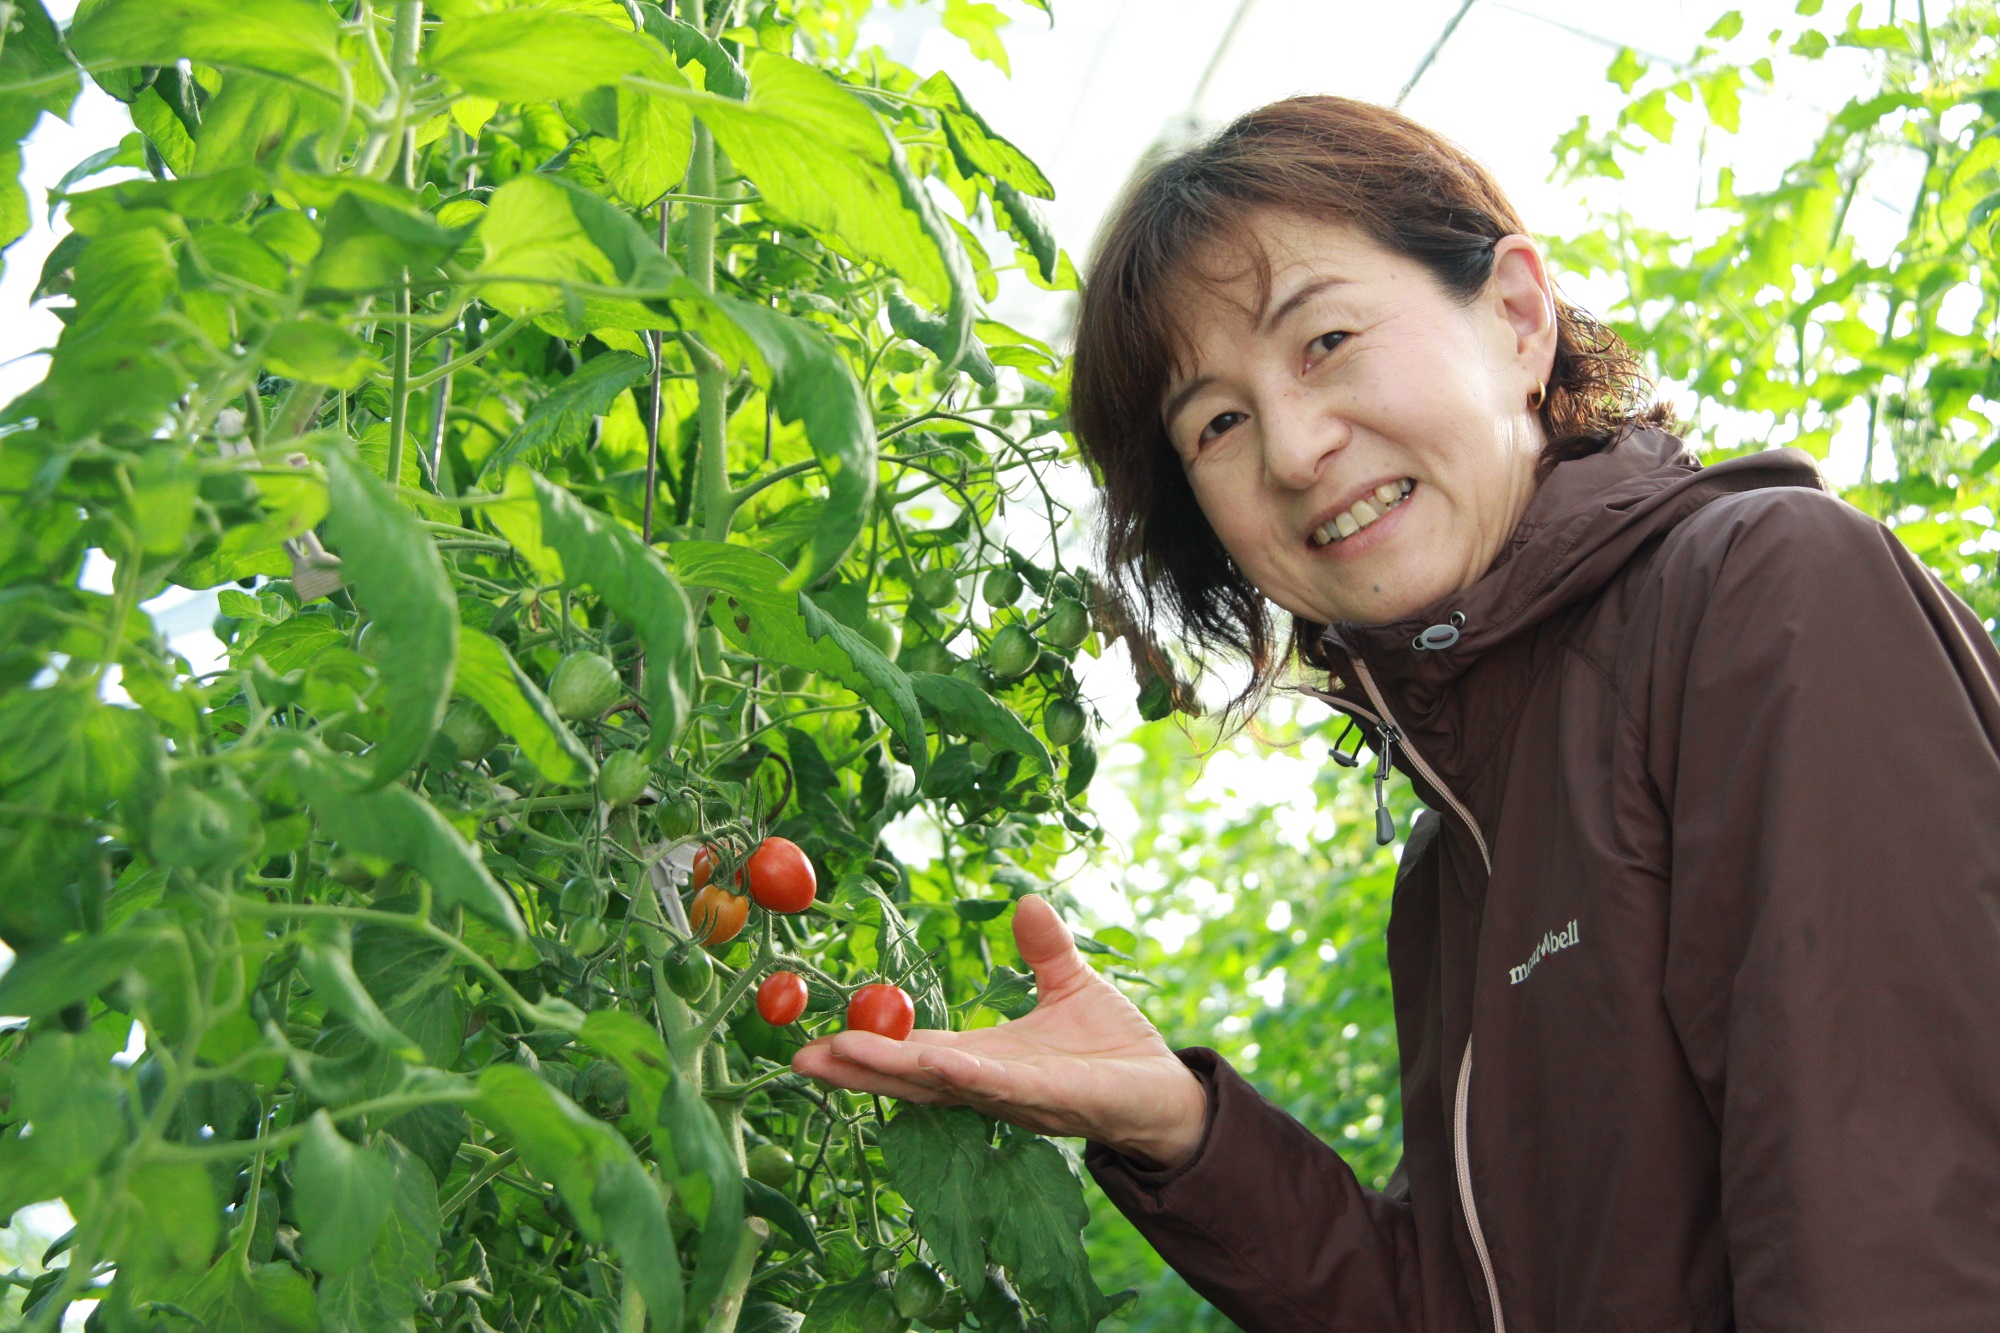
(1696, 961)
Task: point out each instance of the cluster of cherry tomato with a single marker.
(779, 877)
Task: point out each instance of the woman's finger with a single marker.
(1047, 947)
(823, 1064)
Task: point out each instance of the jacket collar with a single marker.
(1588, 519)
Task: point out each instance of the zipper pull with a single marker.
(1385, 826)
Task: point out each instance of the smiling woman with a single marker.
(1731, 991)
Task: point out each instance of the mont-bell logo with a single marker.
(1553, 942)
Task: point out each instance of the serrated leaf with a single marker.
(396, 824)
(977, 714)
(557, 1139)
(819, 157)
(962, 307)
(597, 550)
(63, 1086)
(937, 1160)
(371, 236)
(790, 630)
(533, 55)
(559, 234)
(690, 45)
(236, 1296)
(490, 677)
(397, 576)
(341, 1194)
(381, 1294)
(979, 149)
(561, 420)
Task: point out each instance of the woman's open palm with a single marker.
(1085, 1062)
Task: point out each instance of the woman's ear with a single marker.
(1526, 300)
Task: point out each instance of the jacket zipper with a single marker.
(1392, 735)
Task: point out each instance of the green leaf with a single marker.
(371, 236)
(1727, 26)
(774, 1207)
(703, 1163)
(978, 149)
(341, 1195)
(1037, 1236)
(326, 961)
(490, 677)
(819, 157)
(598, 551)
(398, 825)
(1626, 69)
(64, 1088)
(40, 984)
(34, 72)
(808, 382)
(319, 351)
(558, 1140)
(1024, 222)
(382, 1293)
(167, 1220)
(276, 36)
(635, 1047)
(236, 1296)
(690, 45)
(649, 154)
(635, 1220)
(937, 1158)
(971, 710)
(557, 233)
(533, 55)
(398, 577)
(789, 630)
(1019, 1206)
(561, 420)
(963, 306)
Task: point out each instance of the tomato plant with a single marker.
(586, 418)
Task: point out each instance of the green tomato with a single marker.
(1082, 768)
(622, 778)
(583, 685)
(470, 733)
(769, 1164)
(1012, 652)
(1068, 624)
(587, 935)
(678, 818)
(950, 1312)
(1002, 587)
(205, 830)
(879, 1314)
(917, 1291)
(882, 635)
(582, 897)
(689, 972)
(1064, 721)
(936, 587)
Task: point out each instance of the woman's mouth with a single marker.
(1363, 512)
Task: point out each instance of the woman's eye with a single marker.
(1326, 342)
(1219, 426)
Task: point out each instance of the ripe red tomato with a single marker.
(717, 914)
(882, 1008)
(781, 998)
(781, 876)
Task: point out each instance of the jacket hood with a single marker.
(1588, 519)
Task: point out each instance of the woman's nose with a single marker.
(1299, 441)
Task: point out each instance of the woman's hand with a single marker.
(1085, 1063)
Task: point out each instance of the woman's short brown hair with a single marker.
(1409, 190)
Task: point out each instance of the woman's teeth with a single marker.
(1363, 512)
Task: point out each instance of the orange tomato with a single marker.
(717, 914)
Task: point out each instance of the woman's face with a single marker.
(1362, 444)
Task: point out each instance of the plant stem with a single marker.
(710, 376)
(399, 385)
(729, 1305)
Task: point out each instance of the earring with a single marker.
(1538, 397)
